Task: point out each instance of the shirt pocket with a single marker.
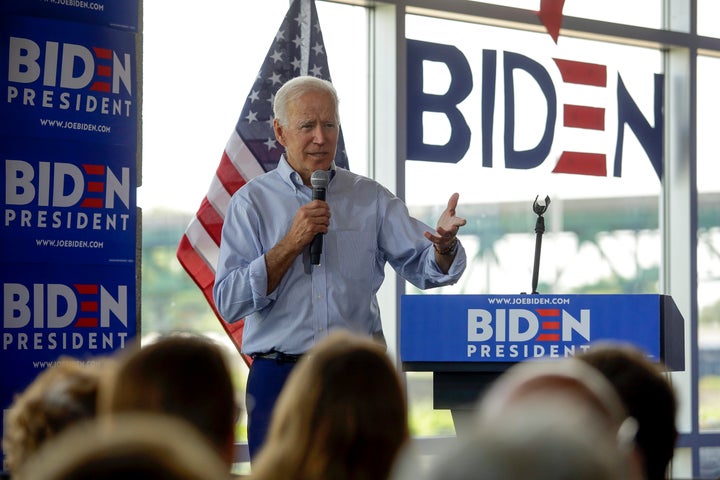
(355, 253)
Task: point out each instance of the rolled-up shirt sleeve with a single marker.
(406, 248)
(241, 277)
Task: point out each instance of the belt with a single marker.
(280, 357)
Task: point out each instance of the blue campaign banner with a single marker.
(68, 80)
(85, 312)
(514, 328)
(123, 14)
(67, 203)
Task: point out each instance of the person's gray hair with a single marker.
(298, 86)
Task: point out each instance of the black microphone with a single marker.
(319, 181)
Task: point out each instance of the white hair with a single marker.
(295, 88)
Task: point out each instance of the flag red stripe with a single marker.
(204, 278)
(228, 175)
(195, 265)
(211, 220)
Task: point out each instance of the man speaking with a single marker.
(265, 273)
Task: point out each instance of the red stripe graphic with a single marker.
(551, 325)
(93, 169)
(582, 73)
(580, 116)
(86, 289)
(548, 312)
(103, 71)
(87, 322)
(582, 163)
(548, 337)
(87, 306)
(95, 187)
(100, 87)
(104, 53)
(92, 203)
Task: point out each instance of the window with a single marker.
(708, 249)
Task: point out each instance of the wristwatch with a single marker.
(450, 250)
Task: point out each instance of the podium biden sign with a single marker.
(513, 328)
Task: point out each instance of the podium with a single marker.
(467, 341)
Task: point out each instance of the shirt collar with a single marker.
(291, 177)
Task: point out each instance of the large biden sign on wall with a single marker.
(549, 78)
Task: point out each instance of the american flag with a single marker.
(252, 149)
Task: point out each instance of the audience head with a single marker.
(539, 409)
(59, 396)
(182, 375)
(137, 446)
(341, 415)
(648, 397)
(542, 441)
(555, 381)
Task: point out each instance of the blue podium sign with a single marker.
(514, 328)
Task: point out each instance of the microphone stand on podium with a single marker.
(468, 341)
(539, 207)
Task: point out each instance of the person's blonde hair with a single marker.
(139, 445)
(184, 375)
(59, 396)
(341, 415)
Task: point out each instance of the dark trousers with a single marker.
(265, 381)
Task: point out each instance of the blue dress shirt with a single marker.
(369, 226)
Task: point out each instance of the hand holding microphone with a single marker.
(319, 181)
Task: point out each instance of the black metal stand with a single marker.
(539, 207)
